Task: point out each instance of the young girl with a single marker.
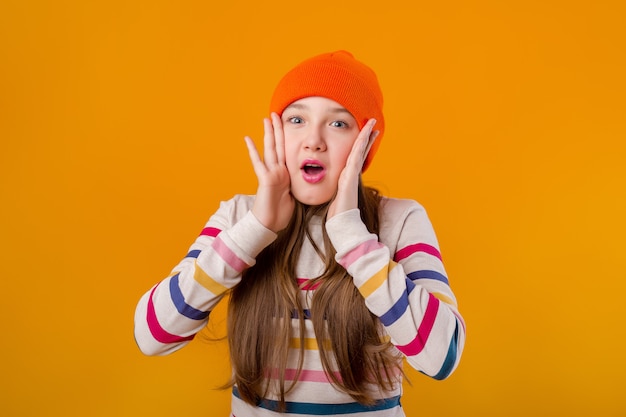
(331, 284)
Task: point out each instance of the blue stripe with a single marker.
(448, 363)
(193, 253)
(426, 274)
(306, 313)
(398, 309)
(179, 301)
(317, 409)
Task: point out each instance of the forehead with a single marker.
(320, 104)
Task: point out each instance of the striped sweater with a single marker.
(399, 273)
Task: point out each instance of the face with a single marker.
(319, 134)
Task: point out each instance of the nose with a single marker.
(314, 139)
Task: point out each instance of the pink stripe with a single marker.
(308, 375)
(458, 316)
(423, 332)
(418, 247)
(210, 231)
(363, 249)
(159, 334)
(304, 284)
(228, 255)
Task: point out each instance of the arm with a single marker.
(173, 311)
(169, 315)
(408, 290)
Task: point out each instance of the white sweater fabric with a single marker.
(399, 273)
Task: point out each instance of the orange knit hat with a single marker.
(339, 77)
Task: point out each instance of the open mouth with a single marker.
(313, 171)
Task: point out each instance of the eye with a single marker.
(295, 120)
(339, 123)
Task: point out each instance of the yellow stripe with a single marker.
(309, 344)
(444, 298)
(376, 280)
(207, 282)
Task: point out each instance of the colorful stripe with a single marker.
(210, 231)
(415, 248)
(228, 255)
(207, 282)
(399, 307)
(451, 357)
(320, 409)
(310, 343)
(158, 332)
(363, 249)
(418, 321)
(306, 314)
(460, 319)
(193, 253)
(305, 284)
(376, 280)
(423, 332)
(179, 301)
(427, 274)
(444, 298)
(307, 375)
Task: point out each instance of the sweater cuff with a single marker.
(250, 235)
(346, 231)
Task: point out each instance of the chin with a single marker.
(312, 200)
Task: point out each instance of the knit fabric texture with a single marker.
(399, 273)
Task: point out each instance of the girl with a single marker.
(331, 284)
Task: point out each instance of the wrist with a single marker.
(346, 230)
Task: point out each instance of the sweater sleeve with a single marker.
(408, 290)
(169, 315)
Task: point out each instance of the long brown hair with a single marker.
(348, 334)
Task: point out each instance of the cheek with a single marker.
(291, 155)
(343, 153)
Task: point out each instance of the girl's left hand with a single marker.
(347, 197)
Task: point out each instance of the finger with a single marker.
(255, 158)
(365, 134)
(370, 143)
(279, 136)
(361, 146)
(369, 131)
(269, 143)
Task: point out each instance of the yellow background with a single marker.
(121, 129)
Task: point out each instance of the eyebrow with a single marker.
(299, 106)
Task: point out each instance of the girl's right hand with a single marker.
(274, 204)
